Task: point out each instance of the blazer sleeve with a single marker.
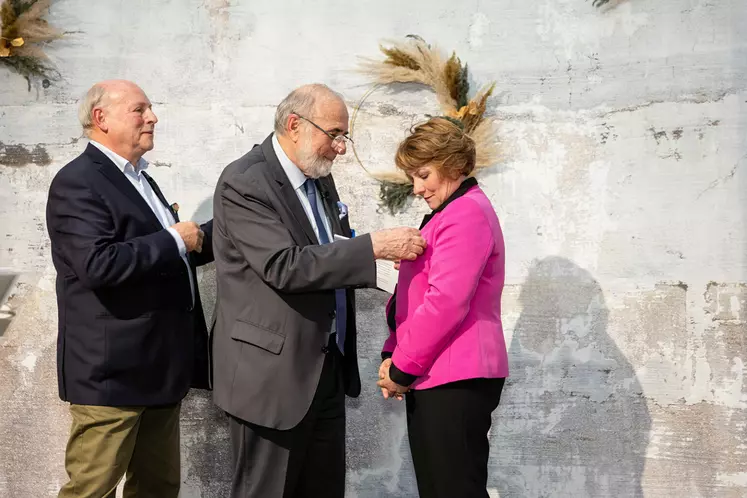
(260, 235)
(461, 247)
(83, 234)
(206, 256)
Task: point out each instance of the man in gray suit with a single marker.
(285, 335)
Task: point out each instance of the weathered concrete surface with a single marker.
(621, 193)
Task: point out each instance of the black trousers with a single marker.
(448, 430)
(307, 461)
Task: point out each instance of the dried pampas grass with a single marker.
(486, 148)
(411, 61)
(23, 33)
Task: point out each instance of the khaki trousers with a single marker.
(107, 443)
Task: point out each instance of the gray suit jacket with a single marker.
(275, 302)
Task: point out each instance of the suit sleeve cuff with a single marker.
(178, 239)
(399, 377)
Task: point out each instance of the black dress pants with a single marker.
(448, 430)
(307, 461)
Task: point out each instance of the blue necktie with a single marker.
(340, 300)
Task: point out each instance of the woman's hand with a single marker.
(383, 374)
(389, 389)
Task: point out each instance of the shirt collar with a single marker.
(295, 175)
(119, 161)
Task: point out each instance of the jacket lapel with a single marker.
(156, 190)
(287, 194)
(161, 197)
(110, 170)
(330, 198)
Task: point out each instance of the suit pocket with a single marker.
(255, 335)
(132, 344)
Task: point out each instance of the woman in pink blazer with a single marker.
(446, 349)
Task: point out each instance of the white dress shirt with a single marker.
(297, 179)
(136, 178)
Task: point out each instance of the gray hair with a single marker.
(301, 101)
(95, 97)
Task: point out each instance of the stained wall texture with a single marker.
(621, 192)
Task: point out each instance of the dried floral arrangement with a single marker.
(23, 34)
(414, 61)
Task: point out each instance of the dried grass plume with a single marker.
(23, 34)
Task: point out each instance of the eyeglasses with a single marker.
(337, 140)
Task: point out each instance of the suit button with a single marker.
(332, 314)
(325, 349)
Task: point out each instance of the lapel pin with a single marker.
(342, 209)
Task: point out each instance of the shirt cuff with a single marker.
(386, 354)
(399, 377)
(179, 242)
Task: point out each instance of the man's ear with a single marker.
(99, 119)
(293, 128)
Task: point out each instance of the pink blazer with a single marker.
(448, 312)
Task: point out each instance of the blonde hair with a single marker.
(439, 143)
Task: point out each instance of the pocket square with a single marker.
(342, 209)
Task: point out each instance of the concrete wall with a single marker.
(621, 194)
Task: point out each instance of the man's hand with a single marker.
(191, 234)
(388, 388)
(397, 243)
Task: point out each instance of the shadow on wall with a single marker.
(6, 316)
(573, 421)
(204, 211)
(7, 282)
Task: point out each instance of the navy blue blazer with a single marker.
(129, 333)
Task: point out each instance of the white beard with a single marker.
(313, 165)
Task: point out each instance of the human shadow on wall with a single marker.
(573, 421)
(206, 447)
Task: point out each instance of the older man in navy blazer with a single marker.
(132, 336)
